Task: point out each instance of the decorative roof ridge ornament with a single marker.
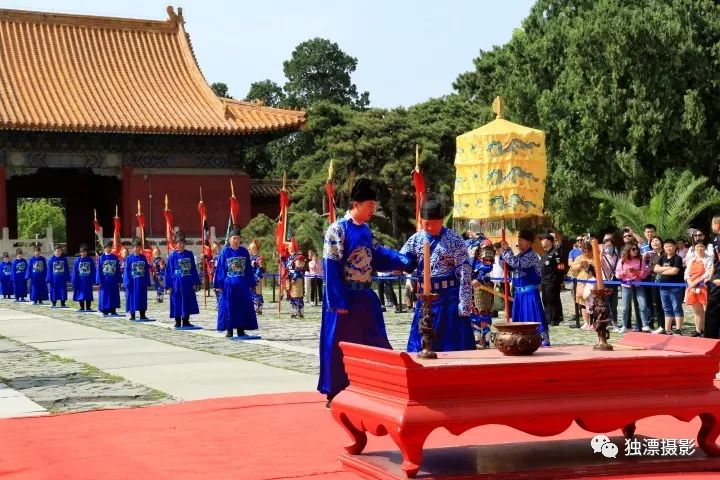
(498, 106)
(175, 18)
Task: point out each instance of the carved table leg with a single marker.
(359, 437)
(411, 447)
(629, 430)
(708, 434)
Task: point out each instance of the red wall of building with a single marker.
(183, 191)
(3, 200)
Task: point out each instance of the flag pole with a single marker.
(142, 227)
(206, 280)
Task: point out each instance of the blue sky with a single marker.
(407, 51)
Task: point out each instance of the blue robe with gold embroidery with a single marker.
(6, 283)
(83, 279)
(350, 255)
(136, 278)
(37, 273)
(108, 277)
(182, 276)
(19, 270)
(58, 274)
(235, 276)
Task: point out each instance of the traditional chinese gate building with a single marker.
(104, 111)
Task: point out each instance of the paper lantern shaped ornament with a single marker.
(500, 171)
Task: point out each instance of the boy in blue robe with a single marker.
(158, 274)
(6, 284)
(37, 273)
(296, 277)
(482, 264)
(351, 310)
(19, 271)
(450, 274)
(83, 279)
(108, 279)
(136, 279)
(58, 274)
(234, 281)
(181, 278)
(258, 264)
(525, 273)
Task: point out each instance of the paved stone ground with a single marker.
(63, 385)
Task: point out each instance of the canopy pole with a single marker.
(506, 284)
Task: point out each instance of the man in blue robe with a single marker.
(6, 283)
(450, 278)
(136, 278)
(351, 310)
(19, 271)
(181, 278)
(235, 284)
(108, 278)
(37, 273)
(83, 279)
(58, 274)
(525, 273)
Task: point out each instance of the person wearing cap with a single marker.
(136, 280)
(6, 284)
(108, 278)
(58, 274)
(37, 273)
(258, 265)
(235, 281)
(526, 277)
(19, 271)
(552, 273)
(451, 276)
(83, 279)
(351, 310)
(181, 278)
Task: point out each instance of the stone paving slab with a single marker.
(56, 384)
(181, 372)
(15, 404)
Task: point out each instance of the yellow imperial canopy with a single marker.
(500, 171)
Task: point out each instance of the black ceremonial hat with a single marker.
(180, 236)
(137, 242)
(83, 247)
(363, 190)
(108, 243)
(432, 209)
(526, 234)
(235, 232)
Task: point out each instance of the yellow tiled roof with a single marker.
(75, 73)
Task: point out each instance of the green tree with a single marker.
(624, 90)
(35, 215)
(677, 200)
(268, 91)
(262, 228)
(319, 70)
(380, 144)
(220, 89)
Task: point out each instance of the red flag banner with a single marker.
(235, 211)
(98, 233)
(419, 182)
(283, 232)
(204, 229)
(117, 246)
(330, 191)
(169, 231)
(140, 222)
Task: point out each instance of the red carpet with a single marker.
(245, 438)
